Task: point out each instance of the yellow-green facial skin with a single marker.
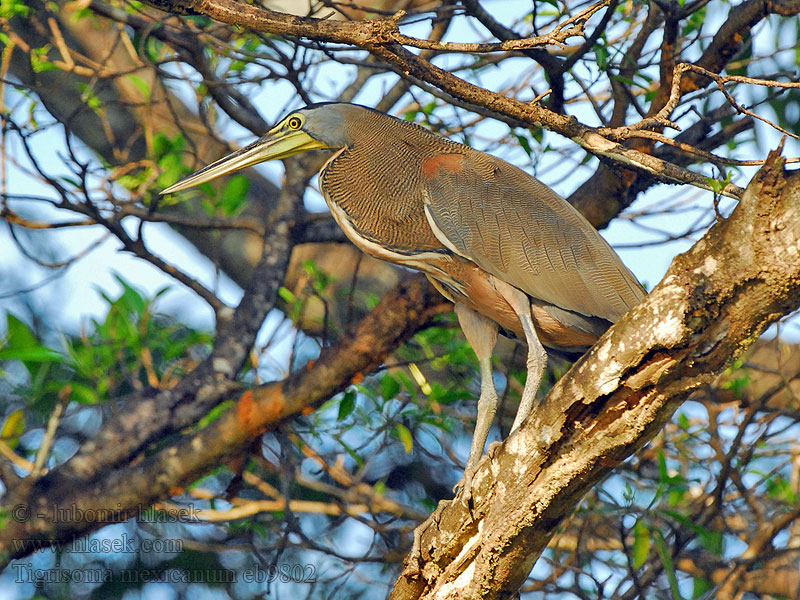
(284, 140)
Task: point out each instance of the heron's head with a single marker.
(314, 127)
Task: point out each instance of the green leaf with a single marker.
(71, 181)
(695, 21)
(389, 387)
(161, 144)
(628, 495)
(19, 334)
(781, 489)
(346, 404)
(39, 61)
(524, 143)
(13, 428)
(11, 8)
(286, 295)
(663, 474)
(214, 414)
(36, 354)
(21, 344)
(90, 98)
(131, 298)
(712, 541)
(641, 544)
(352, 453)
(81, 13)
(402, 433)
(319, 278)
(234, 195)
(408, 385)
(152, 46)
(669, 568)
(83, 394)
(601, 55)
(429, 107)
(676, 495)
(171, 169)
(737, 384)
(701, 587)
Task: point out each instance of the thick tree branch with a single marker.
(401, 313)
(380, 37)
(121, 439)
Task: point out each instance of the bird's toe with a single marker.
(463, 488)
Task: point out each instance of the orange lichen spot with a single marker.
(357, 378)
(363, 344)
(447, 162)
(176, 491)
(259, 408)
(271, 404)
(310, 365)
(307, 410)
(244, 409)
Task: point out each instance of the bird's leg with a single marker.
(537, 357)
(481, 333)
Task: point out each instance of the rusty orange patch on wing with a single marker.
(447, 162)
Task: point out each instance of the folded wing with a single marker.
(516, 228)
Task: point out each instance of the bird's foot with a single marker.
(465, 487)
(493, 447)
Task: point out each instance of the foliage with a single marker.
(131, 348)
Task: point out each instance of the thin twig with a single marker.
(50, 432)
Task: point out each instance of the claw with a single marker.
(464, 488)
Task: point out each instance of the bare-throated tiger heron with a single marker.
(498, 243)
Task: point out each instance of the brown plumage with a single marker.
(500, 244)
(494, 215)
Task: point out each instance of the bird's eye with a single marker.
(294, 123)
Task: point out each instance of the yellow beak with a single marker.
(276, 143)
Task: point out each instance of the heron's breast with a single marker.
(378, 196)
